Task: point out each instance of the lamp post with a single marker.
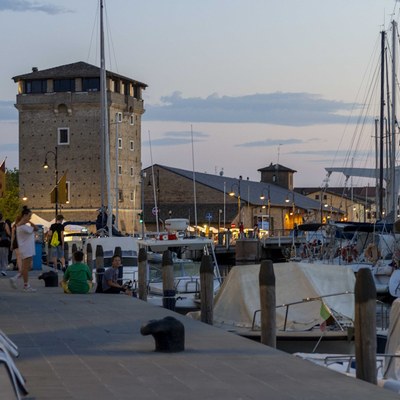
(117, 121)
(46, 166)
(143, 177)
(293, 206)
(232, 193)
(262, 197)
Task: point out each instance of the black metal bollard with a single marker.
(168, 333)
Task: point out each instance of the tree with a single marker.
(10, 203)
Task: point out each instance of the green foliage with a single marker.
(10, 204)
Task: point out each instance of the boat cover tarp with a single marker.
(239, 297)
(392, 366)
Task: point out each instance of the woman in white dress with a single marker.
(26, 245)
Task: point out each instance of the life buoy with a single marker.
(372, 253)
(349, 254)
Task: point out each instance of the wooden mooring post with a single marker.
(206, 289)
(142, 274)
(118, 252)
(74, 248)
(66, 256)
(268, 303)
(89, 256)
(99, 268)
(168, 281)
(365, 326)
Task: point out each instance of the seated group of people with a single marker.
(78, 277)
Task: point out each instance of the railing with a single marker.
(383, 315)
(306, 300)
(351, 358)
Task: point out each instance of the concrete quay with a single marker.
(90, 347)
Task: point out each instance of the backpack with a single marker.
(4, 238)
(54, 240)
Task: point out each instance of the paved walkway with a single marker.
(90, 347)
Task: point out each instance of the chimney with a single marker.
(34, 69)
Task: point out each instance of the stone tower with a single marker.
(278, 175)
(59, 113)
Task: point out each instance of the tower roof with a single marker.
(276, 167)
(78, 69)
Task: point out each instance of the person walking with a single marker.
(15, 249)
(26, 244)
(55, 238)
(5, 241)
(78, 277)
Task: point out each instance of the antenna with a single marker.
(279, 151)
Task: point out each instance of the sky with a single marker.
(253, 82)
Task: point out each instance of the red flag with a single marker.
(3, 178)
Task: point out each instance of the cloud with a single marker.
(286, 109)
(270, 143)
(176, 138)
(27, 5)
(7, 111)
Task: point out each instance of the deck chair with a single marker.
(8, 348)
(8, 383)
(11, 347)
(10, 370)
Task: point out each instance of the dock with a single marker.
(90, 347)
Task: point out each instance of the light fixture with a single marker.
(45, 165)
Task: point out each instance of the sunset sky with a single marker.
(255, 81)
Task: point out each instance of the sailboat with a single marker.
(109, 242)
(382, 235)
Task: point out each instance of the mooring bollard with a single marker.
(168, 281)
(118, 252)
(89, 256)
(365, 326)
(99, 268)
(206, 289)
(168, 333)
(268, 303)
(142, 275)
(74, 248)
(66, 256)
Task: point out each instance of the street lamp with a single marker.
(262, 197)
(233, 193)
(46, 166)
(293, 207)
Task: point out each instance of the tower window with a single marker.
(63, 135)
(91, 84)
(64, 85)
(36, 86)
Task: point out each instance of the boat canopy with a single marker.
(239, 297)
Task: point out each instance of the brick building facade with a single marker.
(60, 107)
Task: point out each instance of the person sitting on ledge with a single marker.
(78, 276)
(110, 278)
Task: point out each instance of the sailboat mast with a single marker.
(393, 147)
(381, 123)
(102, 107)
(105, 128)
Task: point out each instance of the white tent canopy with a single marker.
(40, 221)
